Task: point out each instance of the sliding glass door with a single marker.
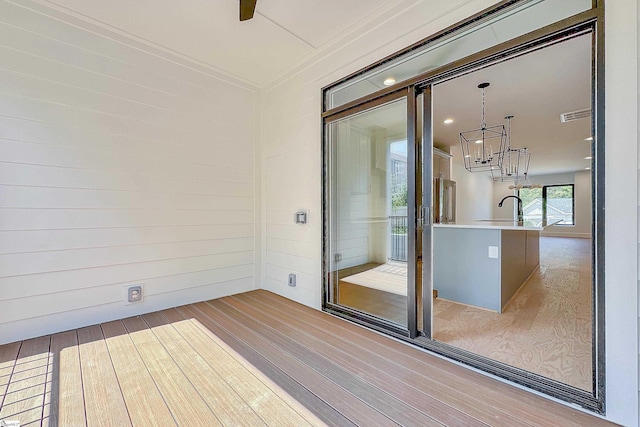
(371, 196)
(417, 242)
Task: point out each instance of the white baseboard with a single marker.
(565, 234)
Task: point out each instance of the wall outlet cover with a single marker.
(293, 279)
(493, 252)
(133, 294)
(301, 216)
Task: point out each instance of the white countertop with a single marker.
(500, 224)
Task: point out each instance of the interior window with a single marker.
(531, 204)
(549, 203)
(558, 203)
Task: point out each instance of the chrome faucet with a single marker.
(520, 214)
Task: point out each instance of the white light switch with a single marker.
(493, 252)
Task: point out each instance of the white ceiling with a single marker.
(535, 88)
(209, 31)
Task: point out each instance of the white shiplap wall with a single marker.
(119, 164)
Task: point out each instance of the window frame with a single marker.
(573, 203)
(544, 203)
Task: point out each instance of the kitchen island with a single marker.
(484, 263)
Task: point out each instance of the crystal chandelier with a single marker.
(515, 161)
(483, 148)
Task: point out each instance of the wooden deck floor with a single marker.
(252, 359)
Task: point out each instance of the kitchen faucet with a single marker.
(520, 215)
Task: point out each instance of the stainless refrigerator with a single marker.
(444, 201)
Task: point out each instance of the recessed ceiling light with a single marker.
(448, 121)
(389, 81)
(479, 141)
(467, 156)
(588, 158)
(587, 168)
(589, 139)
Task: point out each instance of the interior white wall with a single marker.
(582, 194)
(292, 144)
(474, 194)
(508, 209)
(118, 165)
(583, 214)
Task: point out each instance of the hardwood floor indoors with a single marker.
(546, 328)
(252, 359)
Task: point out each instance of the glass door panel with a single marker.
(520, 294)
(369, 255)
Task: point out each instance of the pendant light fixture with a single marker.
(515, 161)
(483, 148)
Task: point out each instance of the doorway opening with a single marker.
(474, 265)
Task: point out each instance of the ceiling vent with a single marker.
(575, 115)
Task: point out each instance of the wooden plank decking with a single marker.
(253, 359)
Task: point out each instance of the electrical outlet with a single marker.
(133, 294)
(301, 217)
(293, 279)
(493, 252)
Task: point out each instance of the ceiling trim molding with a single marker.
(370, 23)
(376, 19)
(101, 29)
(457, 10)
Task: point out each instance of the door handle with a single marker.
(423, 216)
